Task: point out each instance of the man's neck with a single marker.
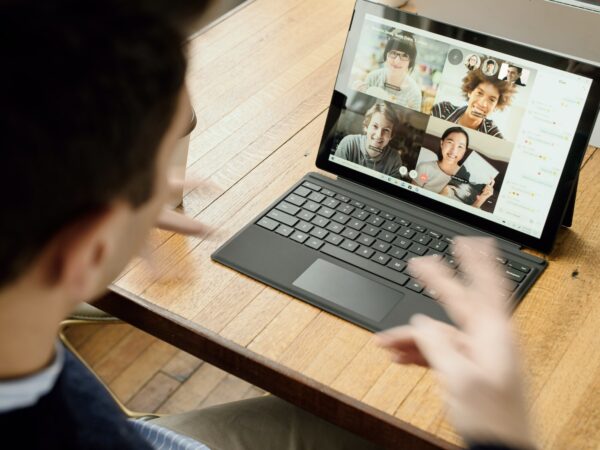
(29, 324)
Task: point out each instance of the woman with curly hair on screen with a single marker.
(484, 96)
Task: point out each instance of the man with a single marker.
(377, 147)
(513, 75)
(95, 100)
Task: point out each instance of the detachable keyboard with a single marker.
(367, 237)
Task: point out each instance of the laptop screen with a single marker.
(465, 125)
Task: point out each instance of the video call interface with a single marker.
(464, 125)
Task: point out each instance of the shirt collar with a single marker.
(26, 391)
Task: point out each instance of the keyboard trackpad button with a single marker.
(348, 290)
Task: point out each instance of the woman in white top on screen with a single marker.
(435, 175)
(393, 81)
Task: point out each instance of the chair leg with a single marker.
(70, 322)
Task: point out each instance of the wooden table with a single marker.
(261, 82)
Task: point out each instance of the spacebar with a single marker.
(369, 266)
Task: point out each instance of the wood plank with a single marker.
(230, 389)
(122, 355)
(153, 394)
(133, 378)
(191, 393)
(79, 334)
(181, 366)
(94, 349)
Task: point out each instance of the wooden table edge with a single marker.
(342, 410)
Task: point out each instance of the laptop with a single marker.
(433, 132)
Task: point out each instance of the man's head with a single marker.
(381, 126)
(94, 101)
(485, 94)
(513, 73)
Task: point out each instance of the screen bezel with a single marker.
(574, 159)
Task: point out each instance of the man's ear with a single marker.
(79, 254)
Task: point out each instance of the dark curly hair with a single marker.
(476, 77)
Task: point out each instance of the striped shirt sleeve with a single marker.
(162, 438)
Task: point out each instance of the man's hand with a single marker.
(477, 362)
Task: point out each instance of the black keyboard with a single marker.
(366, 237)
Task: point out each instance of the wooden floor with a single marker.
(148, 375)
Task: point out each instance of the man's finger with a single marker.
(438, 277)
(442, 353)
(173, 221)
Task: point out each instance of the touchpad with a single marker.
(348, 289)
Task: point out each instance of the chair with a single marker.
(86, 314)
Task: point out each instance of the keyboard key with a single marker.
(431, 293)
(520, 267)
(357, 204)
(341, 218)
(406, 232)
(501, 260)
(509, 285)
(330, 202)
(375, 220)
(414, 285)
(380, 258)
(372, 210)
(295, 200)
(345, 208)
(432, 252)
(284, 230)
(360, 214)
(320, 221)
(386, 236)
(349, 233)
(450, 261)
(342, 198)
(298, 236)
(311, 206)
(282, 217)
(327, 192)
(326, 212)
(396, 252)
(514, 275)
(288, 208)
(434, 234)
(302, 191)
(349, 245)
(306, 215)
(392, 227)
(381, 246)
(371, 230)
(365, 252)
(448, 239)
(316, 197)
(440, 246)
(335, 228)
(365, 239)
(305, 227)
(397, 265)
(419, 228)
(312, 186)
(418, 249)
(314, 243)
(365, 264)
(356, 224)
(319, 233)
(334, 239)
(388, 216)
(402, 242)
(267, 223)
(422, 239)
(403, 222)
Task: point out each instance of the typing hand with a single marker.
(477, 362)
(170, 220)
